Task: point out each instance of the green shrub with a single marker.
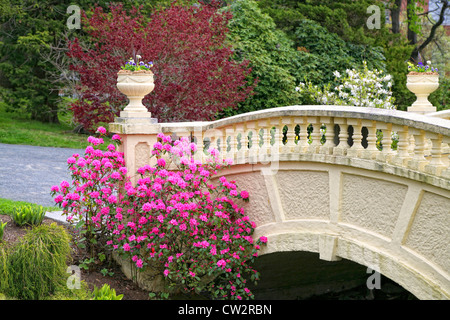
(106, 293)
(4, 273)
(28, 215)
(37, 264)
(2, 229)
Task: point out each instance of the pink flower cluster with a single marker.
(178, 220)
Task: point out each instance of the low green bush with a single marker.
(36, 266)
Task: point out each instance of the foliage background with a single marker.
(284, 40)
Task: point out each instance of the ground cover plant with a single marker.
(174, 220)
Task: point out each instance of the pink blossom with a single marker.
(139, 263)
(64, 184)
(244, 194)
(166, 272)
(112, 199)
(111, 147)
(142, 220)
(221, 263)
(263, 239)
(146, 207)
(161, 162)
(101, 130)
(157, 187)
(126, 247)
(115, 137)
(116, 175)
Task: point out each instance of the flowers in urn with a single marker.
(132, 65)
(421, 68)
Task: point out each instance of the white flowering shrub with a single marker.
(361, 88)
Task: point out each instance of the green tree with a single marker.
(347, 19)
(32, 68)
(271, 53)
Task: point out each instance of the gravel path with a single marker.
(28, 172)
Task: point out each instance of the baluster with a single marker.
(264, 149)
(223, 144)
(446, 172)
(371, 151)
(276, 148)
(302, 143)
(356, 149)
(316, 135)
(253, 150)
(288, 148)
(418, 161)
(328, 146)
(402, 157)
(436, 166)
(231, 154)
(342, 147)
(240, 151)
(198, 135)
(386, 142)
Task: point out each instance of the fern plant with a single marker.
(106, 293)
(28, 215)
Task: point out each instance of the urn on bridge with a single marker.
(135, 85)
(423, 81)
(135, 80)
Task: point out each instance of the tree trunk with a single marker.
(412, 36)
(395, 16)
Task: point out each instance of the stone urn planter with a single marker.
(422, 84)
(135, 85)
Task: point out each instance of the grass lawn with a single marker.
(7, 206)
(18, 130)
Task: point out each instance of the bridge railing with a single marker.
(338, 134)
(398, 142)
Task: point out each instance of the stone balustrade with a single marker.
(361, 137)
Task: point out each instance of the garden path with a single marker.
(28, 172)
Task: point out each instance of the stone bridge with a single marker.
(368, 185)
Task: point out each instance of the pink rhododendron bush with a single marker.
(175, 219)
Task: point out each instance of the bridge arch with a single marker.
(315, 187)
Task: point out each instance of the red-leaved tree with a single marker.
(195, 75)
